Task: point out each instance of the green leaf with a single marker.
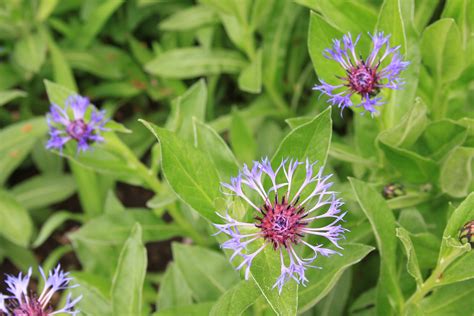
(412, 260)
(209, 142)
(188, 171)
(188, 310)
(16, 222)
(351, 16)
(320, 37)
(95, 21)
(456, 172)
(127, 285)
(30, 52)
(52, 223)
(440, 137)
(412, 166)
(334, 303)
(277, 36)
(265, 270)
(174, 289)
(208, 273)
(192, 104)
(61, 70)
(310, 140)
(459, 270)
(9, 95)
(442, 50)
(189, 19)
(411, 126)
(250, 79)
(347, 153)
(236, 300)
(321, 281)
(390, 21)
(241, 138)
(389, 296)
(98, 242)
(461, 215)
(17, 141)
(185, 63)
(94, 290)
(45, 9)
(450, 300)
(41, 191)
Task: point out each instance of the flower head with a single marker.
(72, 124)
(286, 213)
(19, 302)
(466, 233)
(365, 77)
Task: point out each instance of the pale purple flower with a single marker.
(365, 77)
(78, 121)
(287, 211)
(18, 302)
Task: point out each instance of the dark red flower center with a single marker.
(32, 308)
(76, 129)
(281, 223)
(363, 79)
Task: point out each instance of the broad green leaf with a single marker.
(461, 215)
(95, 291)
(442, 50)
(310, 140)
(30, 52)
(174, 290)
(456, 172)
(277, 35)
(188, 310)
(334, 303)
(208, 141)
(45, 9)
(348, 16)
(408, 200)
(426, 248)
(461, 12)
(9, 95)
(61, 70)
(41, 191)
(423, 12)
(95, 21)
(189, 19)
(347, 153)
(451, 300)
(93, 61)
(440, 137)
(127, 285)
(410, 165)
(250, 79)
(17, 141)
(265, 270)
(459, 270)
(389, 296)
(412, 221)
(98, 242)
(53, 222)
(412, 260)
(237, 299)
(320, 37)
(191, 104)
(185, 63)
(16, 222)
(321, 281)
(208, 273)
(390, 21)
(242, 138)
(411, 126)
(188, 171)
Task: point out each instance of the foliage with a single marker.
(195, 89)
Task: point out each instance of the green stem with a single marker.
(431, 282)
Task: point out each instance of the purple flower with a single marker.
(288, 210)
(19, 303)
(363, 77)
(78, 121)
